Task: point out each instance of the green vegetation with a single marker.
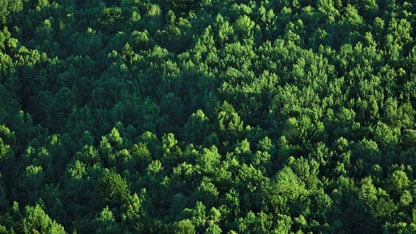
(209, 116)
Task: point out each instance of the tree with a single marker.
(113, 188)
(229, 122)
(105, 222)
(132, 213)
(197, 127)
(37, 221)
(185, 226)
(9, 8)
(255, 223)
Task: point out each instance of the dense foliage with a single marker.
(208, 116)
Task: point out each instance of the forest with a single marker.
(207, 116)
